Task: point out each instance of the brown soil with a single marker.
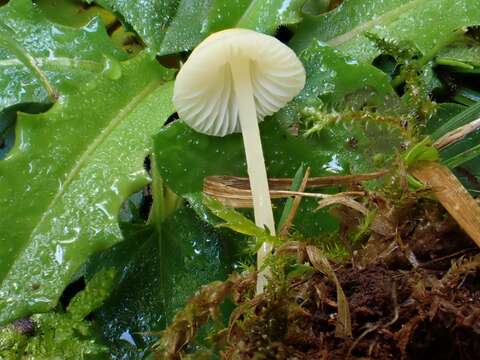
(413, 299)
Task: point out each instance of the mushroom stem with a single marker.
(257, 173)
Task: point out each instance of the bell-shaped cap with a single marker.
(204, 94)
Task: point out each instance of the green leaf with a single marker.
(443, 114)
(422, 151)
(65, 56)
(236, 221)
(296, 184)
(462, 57)
(360, 142)
(172, 26)
(59, 334)
(339, 82)
(463, 157)
(469, 114)
(63, 183)
(421, 22)
(98, 289)
(73, 12)
(156, 278)
(184, 157)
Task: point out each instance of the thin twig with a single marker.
(286, 183)
(449, 256)
(456, 135)
(233, 193)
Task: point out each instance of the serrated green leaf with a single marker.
(360, 144)
(234, 220)
(172, 26)
(463, 57)
(421, 22)
(66, 56)
(62, 185)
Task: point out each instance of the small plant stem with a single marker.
(257, 173)
(456, 135)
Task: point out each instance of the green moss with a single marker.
(60, 335)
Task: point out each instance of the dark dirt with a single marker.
(416, 298)
(415, 295)
(395, 314)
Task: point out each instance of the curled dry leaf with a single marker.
(320, 262)
(235, 191)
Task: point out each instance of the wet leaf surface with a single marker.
(421, 22)
(156, 277)
(67, 56)
(172, 26)
(62, 185)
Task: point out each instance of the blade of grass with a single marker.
(469, 114)
(463, 157)
(295, 204)
(296, 184)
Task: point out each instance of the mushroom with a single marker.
(230, 82)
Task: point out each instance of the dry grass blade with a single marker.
(320, 262)
(457, 134)
(236, 193)
(312, 183)
(452, 195)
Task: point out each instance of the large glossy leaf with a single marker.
(158, 276)
(425, 23)
(185, 157)
(67, 56)
(63, 183)
(171, 26)
(62, 334)
(335, 81)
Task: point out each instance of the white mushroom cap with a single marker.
(204, 94)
